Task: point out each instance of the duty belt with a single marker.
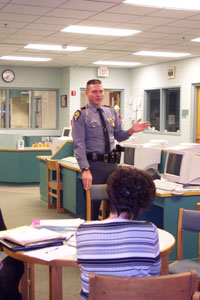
(113, 157)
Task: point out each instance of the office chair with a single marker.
(54, 185)
(97, 192)
(189, 220)
(168, 287)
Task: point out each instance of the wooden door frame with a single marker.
(193, 114)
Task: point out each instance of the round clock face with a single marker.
(8, 75)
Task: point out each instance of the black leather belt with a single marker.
(113, 157)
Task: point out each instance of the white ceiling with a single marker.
(40, 21)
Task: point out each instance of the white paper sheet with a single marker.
(52, 253)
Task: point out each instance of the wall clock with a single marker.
(8, 75)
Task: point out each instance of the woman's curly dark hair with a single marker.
(130, 191)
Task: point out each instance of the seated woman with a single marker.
(121, 245)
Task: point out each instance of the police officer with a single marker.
(95, 128)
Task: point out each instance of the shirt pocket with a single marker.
(94, 129)
(110, 123)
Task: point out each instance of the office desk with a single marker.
(166, 241)
(164, 213)
(21, 166)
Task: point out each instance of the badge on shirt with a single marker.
(77, 115)
(112, 123)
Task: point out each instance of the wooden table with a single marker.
(166, 241)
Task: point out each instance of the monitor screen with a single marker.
(66, 131)
(174, 164)
(129, 154)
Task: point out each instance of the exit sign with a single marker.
(103, 72)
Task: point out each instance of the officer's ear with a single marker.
(86, 92)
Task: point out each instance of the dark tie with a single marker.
(105, 131)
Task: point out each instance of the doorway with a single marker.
(198, 117)
(111, 98)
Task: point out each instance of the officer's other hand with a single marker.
(87, 179)
(137, 126)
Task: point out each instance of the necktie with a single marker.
(105, 131)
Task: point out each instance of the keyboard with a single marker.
(167, 185)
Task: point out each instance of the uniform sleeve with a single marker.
(78, 134)
(119, 134)
(155, 270)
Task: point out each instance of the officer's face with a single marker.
(95, 94)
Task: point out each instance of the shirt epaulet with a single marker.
(84, 107)
(107, 106)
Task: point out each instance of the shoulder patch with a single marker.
(77, 115)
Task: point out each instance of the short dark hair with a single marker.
(93, 81)
(130, 191)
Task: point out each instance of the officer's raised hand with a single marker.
(137, 126)
(87, 179)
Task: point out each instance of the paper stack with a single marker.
(25, 238)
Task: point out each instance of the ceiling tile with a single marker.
(25, 9)
(169, 29)
(112, 17)
(87, 5)
(185, 23)
(16, 17)
(48, 3)
(174, 14)
(132, 9)
(76, 14)
(57, 21)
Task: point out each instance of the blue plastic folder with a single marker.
(16, 247)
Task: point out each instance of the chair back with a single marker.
(181, 286)
(97, 192)
(53, 165)
(188, 220)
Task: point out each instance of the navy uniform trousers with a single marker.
(100, 172)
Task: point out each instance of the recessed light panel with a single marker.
(99, 30)
(170, 4)
(54, 47)
(25, 58)
(117, 63)
(161, 54)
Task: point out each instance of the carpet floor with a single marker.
(20, 206)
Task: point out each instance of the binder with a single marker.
(16, 247)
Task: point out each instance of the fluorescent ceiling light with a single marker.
(171, 4)
(196, 40)
(100, 30)
(25, 58)
(117, 63)
(161, 54)
(54, 47)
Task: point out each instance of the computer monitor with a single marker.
(66, 131)
(140, 156)
(182, 167)
(58, 142)
(193, 147)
